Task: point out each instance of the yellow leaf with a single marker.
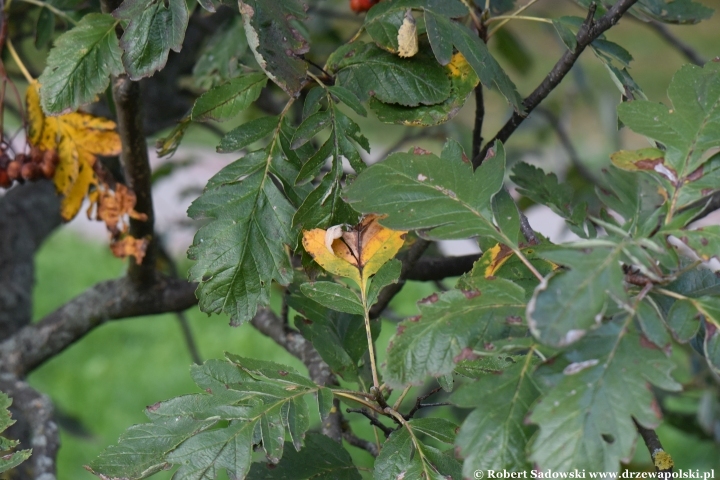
(358, 253)
(77, 137)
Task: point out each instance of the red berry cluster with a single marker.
(26, 166)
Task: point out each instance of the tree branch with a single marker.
(439, 268)
(35, 428)
(661, 459)
(110, 300)
(358, 442)
(373, 420)
(28, 214)
(134, 158)
(589, 31)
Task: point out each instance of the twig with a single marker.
(373, 420)
(418, 402)
(588, 32)
(189, 338)
(17, 60)
(515, 13)
(662, 461)
(358, 442)
(387, 293)
(685, 49)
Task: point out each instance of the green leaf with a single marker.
(703, 241)
(501, 261)
(678, 11)
(44, 28)
(684, 320)
(339, 338)
(444, 196)
(348, 98)
(257, 401)
(711, 346)
(440, 36)
(448, 8)
(449, 323)
(383, 29)
(320, 459)
(241, 250)
(388, 273)
(154, 28)
(167, 145)
(509, 47)
(506, 215)
(463, 81)
(334, 296)
(226, 101)
(687, 131)
(247, 134)
(218, 60)
(495, 435)
(485, 66)
(545, 189)
(566, 305)
(566, 35)
(324, 207)
(142, 450)
(205, 453)
(310, 127)
(368, 71)
(404, 456)
(9, 459)
(80, 64)
(651, 322)
(586, 420)
(276, 40)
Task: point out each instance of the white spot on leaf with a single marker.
(576, 367)
(407, 37)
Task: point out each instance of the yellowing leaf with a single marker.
(77, 137)
(358, 253)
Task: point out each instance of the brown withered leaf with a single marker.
(128, 246)
(113, 206)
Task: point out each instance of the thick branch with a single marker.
(439, 268)
(291, 340)
(110, 300)
(35, 428)
(134, 158)
(28, 214)
(589, 31)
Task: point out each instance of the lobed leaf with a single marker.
(495, 435)
(444, 195)
(586, 420)
(567, 304)
(241, 250)
(449, 323)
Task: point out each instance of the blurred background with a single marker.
(101, 385)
